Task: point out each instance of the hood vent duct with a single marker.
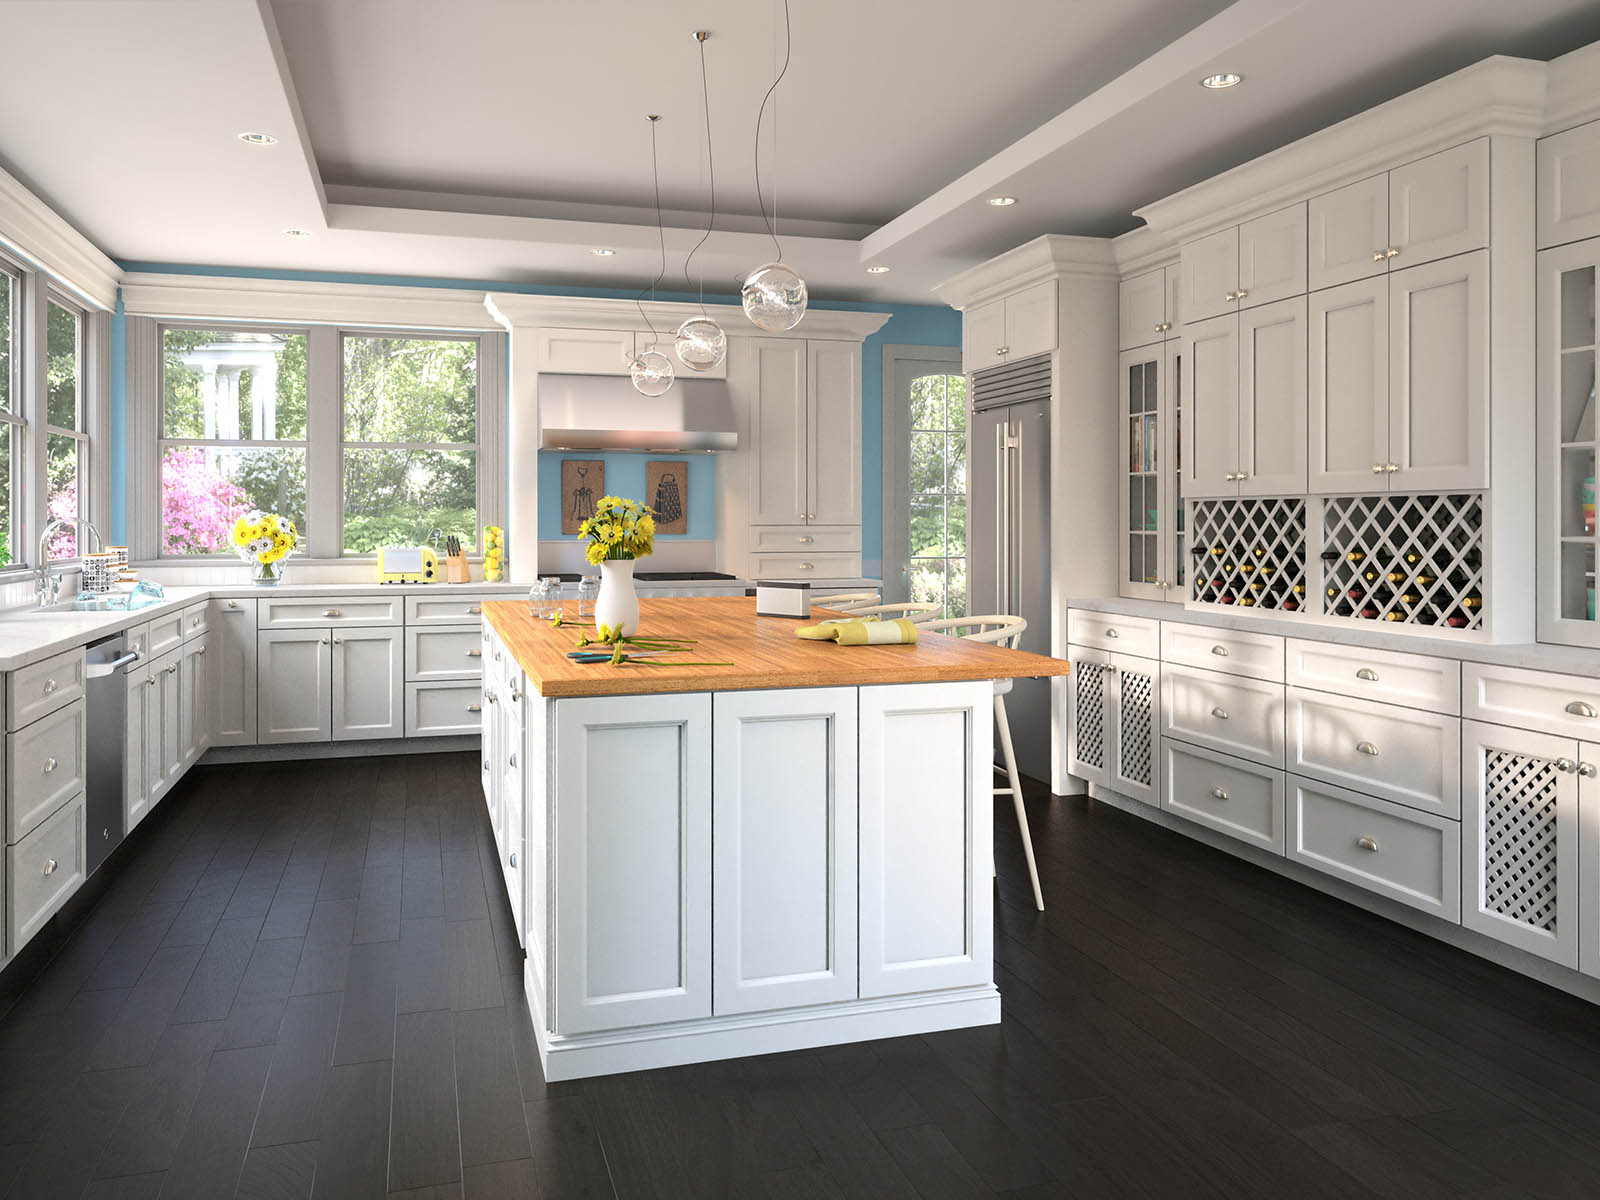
(604, 412)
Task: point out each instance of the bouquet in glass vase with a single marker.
(264, 540)
(619, 532)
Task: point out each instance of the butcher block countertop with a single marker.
(764, 653)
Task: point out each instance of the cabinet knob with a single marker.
(474, 609)
(193, 621)
(50, 764)
(807, 566)
(1230, 297)
(511, 760)
(806, 540)
(1003, 350)
(233, 604)
(513, 860)
(1391, 251)
(200, 650)
(1219, 793)
(1220, 713)
(1566, 766)
(1367, 675)
(50, 866)
(1220, 651)
(475, 708)
(1579, 708)
(475, 653)
(332, 612)
(1390, 468)
(173, 669)
(1587, 770)
(50, 685)
(1240, 294)
(1367, 843)
(1159, 326)
(1377, 256)
(486, 764)
(1377, 468)
(516, 696)
(149, 683)
(338, 641)
(1367, 748)
(322, 641)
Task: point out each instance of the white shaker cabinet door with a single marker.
(1272, 257)
(1589, 858)
(1091, 689)
(1439, 374)
(1135, 725)
(927, 837)
(135, 790)
(368, 684)
(632, 858)
(172, 733)
(1348, 405)
(1030, 321)
(1569, 186)
(784, 848)
(1211, 421)
(833, 384)
(1439, 205)
(1272, 399)
(295, 669)
(196, 703)
(1348, 232)
(231, 659)
(983, 336)
(1210, 275)
(1142, 309)
(778, 433)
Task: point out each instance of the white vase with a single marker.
(618, 603)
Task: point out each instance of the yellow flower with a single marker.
(596, 553)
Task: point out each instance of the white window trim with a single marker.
(899, 362)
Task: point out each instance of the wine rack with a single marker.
(1409, 559)
(1249, 553)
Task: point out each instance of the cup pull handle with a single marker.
(50, 764)
(1220, 714)
(1579, 708)
(1367, 674)
(1367, 843)
(474, 708)
(50, 866)
(474, 653)
(1367, 748)
(1220, 651)
(1219, 793)
(1112, 633)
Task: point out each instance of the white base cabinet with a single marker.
(1114, 722)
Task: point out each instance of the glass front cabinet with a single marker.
(1153, 563)
(1566, 497)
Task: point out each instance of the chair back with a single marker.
(913, 611)
(995, 628)
(845, 601)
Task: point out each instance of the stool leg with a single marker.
(1010, 755)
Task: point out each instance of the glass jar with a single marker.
(588, 592)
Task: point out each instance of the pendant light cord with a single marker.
(661, 236)
(711, 167)
(760, 116)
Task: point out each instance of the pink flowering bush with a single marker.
(198, 503)
(63, 542)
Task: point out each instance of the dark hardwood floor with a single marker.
(302, 980)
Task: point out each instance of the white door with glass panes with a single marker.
(1146, 502)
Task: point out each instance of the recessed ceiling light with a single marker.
(297, 233)
(602, 252)
(258, 139)
(1223, 79)
(877, 270)
(1002, 201)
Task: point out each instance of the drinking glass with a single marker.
(588, 593)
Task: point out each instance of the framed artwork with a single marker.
(583, 482)
(666, 489)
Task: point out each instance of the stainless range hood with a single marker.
(604, 412)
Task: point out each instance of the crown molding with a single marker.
(1498, 96)
(1049, 257)
(1143, 249)
(1573, 93)
(39, 234)
(225, 298)
(516, 310)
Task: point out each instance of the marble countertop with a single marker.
(1536, 656)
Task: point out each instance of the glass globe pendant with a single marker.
(774, 297)
(651, 373)
(700, 344)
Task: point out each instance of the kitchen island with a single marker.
(792, 849)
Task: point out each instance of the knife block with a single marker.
(456, 570)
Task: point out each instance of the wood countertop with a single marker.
(764, 653)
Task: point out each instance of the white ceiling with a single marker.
(503, 139)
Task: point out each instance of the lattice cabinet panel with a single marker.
(1410, 559)
(1089, 688)
(1519, 836)
(1249, 553)
(1135, 727)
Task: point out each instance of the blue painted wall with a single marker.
(625, 477)
(909, 324)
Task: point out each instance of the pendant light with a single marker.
(651, 371)
(774, 295)
(700, 342)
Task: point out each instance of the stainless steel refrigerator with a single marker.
(1008, 531)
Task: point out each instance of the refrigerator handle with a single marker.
(1014, 477)
(1002, 518)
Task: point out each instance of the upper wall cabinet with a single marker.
(1260, 262)
(1429, 209)
(608, 352)
(1019, 326)
(1148, 307)
(805, 433)
(1569, 186)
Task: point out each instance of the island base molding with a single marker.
(642, 1049)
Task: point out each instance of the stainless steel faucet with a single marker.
(47, 581)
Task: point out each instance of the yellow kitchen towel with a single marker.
(861, 633)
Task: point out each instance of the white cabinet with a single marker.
(1210, 275)
(195, 700)
(1349, 229)
(833, 458)
(1405, 755)
(1016, 327)
(1520, 839)
(1113, 722)
(1150, 545)
(632, 797)
(1348, 405)
(295, 669)
(784, 848)
(135, 786)
(1569, 186)
(1211, 354)
(1240, 799)
(583, 351)
(43, 687)
(926, 837)
(42, 871)
(46, 764)
(231, 660)
(443, 652)
(368, 684)
(168, 676)
(1260, 262)
(1239, 716)
(1147, 308)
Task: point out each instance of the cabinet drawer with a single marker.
(1225, 712)
(195, 619)
(1218, 791)
(1540, 700)
(33, 691)
(1232, 651)
(331, 611)
(166, 633)
(1109, 631)
(45, 767)
(452, 608)
(137, 639)
(805, 566)
(1402, 754)
(442, 652)
(1408, 856)
(42, 871)
(806, 539)
(436, 709)
(1393, 677)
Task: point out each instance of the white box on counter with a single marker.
(783, 598)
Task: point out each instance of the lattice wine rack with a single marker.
(1249, 553)
(1412, 559)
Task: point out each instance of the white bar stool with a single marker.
(914, 611)
(1000, 631)
(846, 601)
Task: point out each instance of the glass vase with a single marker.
(266, 574)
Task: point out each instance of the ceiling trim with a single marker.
(203, 297)
(37, 233)
(516, 310)
(1047, 257)
(1143, 249)
(1573, 92)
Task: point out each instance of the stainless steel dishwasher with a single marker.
(107, 718)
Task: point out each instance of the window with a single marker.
(10, 422)
(410, 461)
(233, 433)
(938, 492)
(66, 433)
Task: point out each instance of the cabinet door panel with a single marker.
(1272, 399)
(1272, 257)
(778, 431)
(633, 860)
(784, 848)
(1401, 754)
(231, 658)
(1439, 364)
(1136, 729)
(833, 379)
(983, 336)
(368, 684)
(151, 702)
(295, 685)
(1210, 269)
(172, 731)
(196, 702)
(1090, 688)
(1348, 230)
(1439, 205)
(1227, 794)
(1145, 517)
(584, 351)
(1211, 357)
(1589, 860)
(135, 796)
(1569, 186)
(1348, 406)
(1142, 309)
(1031, 321)
(1238, 716)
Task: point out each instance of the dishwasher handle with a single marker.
(101, 670)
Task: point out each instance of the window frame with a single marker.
(80, 435)
(15, 417)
